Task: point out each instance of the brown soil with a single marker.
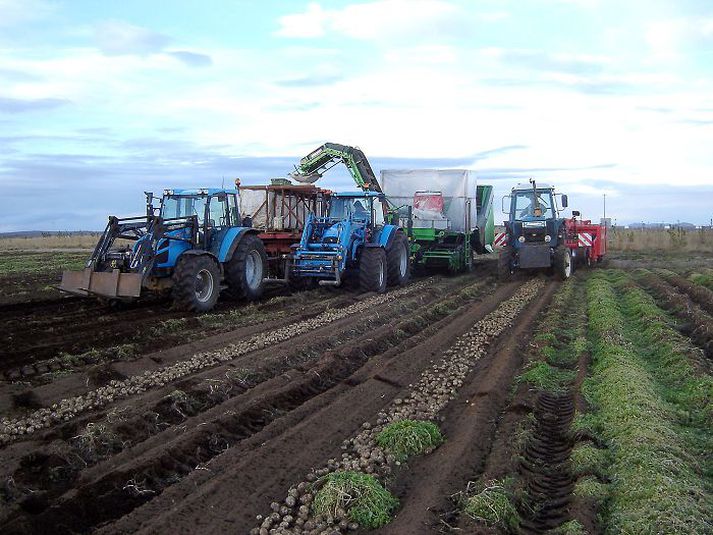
(161, 458)
(38, 334)
(469, 426)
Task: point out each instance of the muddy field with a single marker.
(577, 407)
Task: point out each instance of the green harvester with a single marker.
(445, 226)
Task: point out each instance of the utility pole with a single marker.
(605, 206)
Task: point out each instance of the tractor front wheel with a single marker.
(398, 260)
(563, 263)
(372, 270)
(196, 283)
(246, 270)
(505, 264)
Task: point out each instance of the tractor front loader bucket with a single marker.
(111, 284)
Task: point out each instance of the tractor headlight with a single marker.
(548, 238)
(521, 239)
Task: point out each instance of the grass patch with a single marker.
(703, 279)
(573, 527)
(546, 377)
(169, 326)
(591, 487)
(657, 486)
(406, 438)
(364, 499)
(12, 263)
(493, 505)
(588, 460)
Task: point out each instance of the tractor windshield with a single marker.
(527, 207)
(175, 206)
(354, 207)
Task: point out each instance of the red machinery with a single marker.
(586, 240)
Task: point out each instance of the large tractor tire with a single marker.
(504, 264)
(196, 283)
(563, 264)
(246, 270)
(372, 270)
(398, 261)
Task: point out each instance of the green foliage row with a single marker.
(657, 486)
(705, 278)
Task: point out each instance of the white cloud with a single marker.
(14, 12)
(117, 38)
(311, 23)
(668, 39)
(379, 19)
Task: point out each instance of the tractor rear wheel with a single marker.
(196, 283)
(563, 263)
(398, 261)
(372, 270)
(247, 268)
(504, 264)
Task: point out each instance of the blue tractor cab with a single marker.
(354, 237)
(191, 243)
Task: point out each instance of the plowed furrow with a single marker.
(237, 419)
(544, 464)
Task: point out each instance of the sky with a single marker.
(101, 101)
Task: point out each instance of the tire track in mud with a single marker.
(236, 419)
(545, 464)
(529, 463)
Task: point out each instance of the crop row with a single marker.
(366, 453)
(697, 323)
(638, 410)
(125, 427)
(69, 408)
(533, 494)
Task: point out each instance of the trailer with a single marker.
(279, 212)
(447, 216)
(587, 241)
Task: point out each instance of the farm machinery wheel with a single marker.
(196, 283)
(563, 263)
(247, 268)
(504, 264)
(372, 270)
(398, 261)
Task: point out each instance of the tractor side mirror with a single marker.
(564, 201)
(575, 213)
(503, 204)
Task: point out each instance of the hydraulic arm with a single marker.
(315, 164)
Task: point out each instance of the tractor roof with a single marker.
(358, 194)
(540, 185)
(198, 191)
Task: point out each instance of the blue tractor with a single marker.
(536, 233)
(192, 244)
(358, 236)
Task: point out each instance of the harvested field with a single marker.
(457, 404)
